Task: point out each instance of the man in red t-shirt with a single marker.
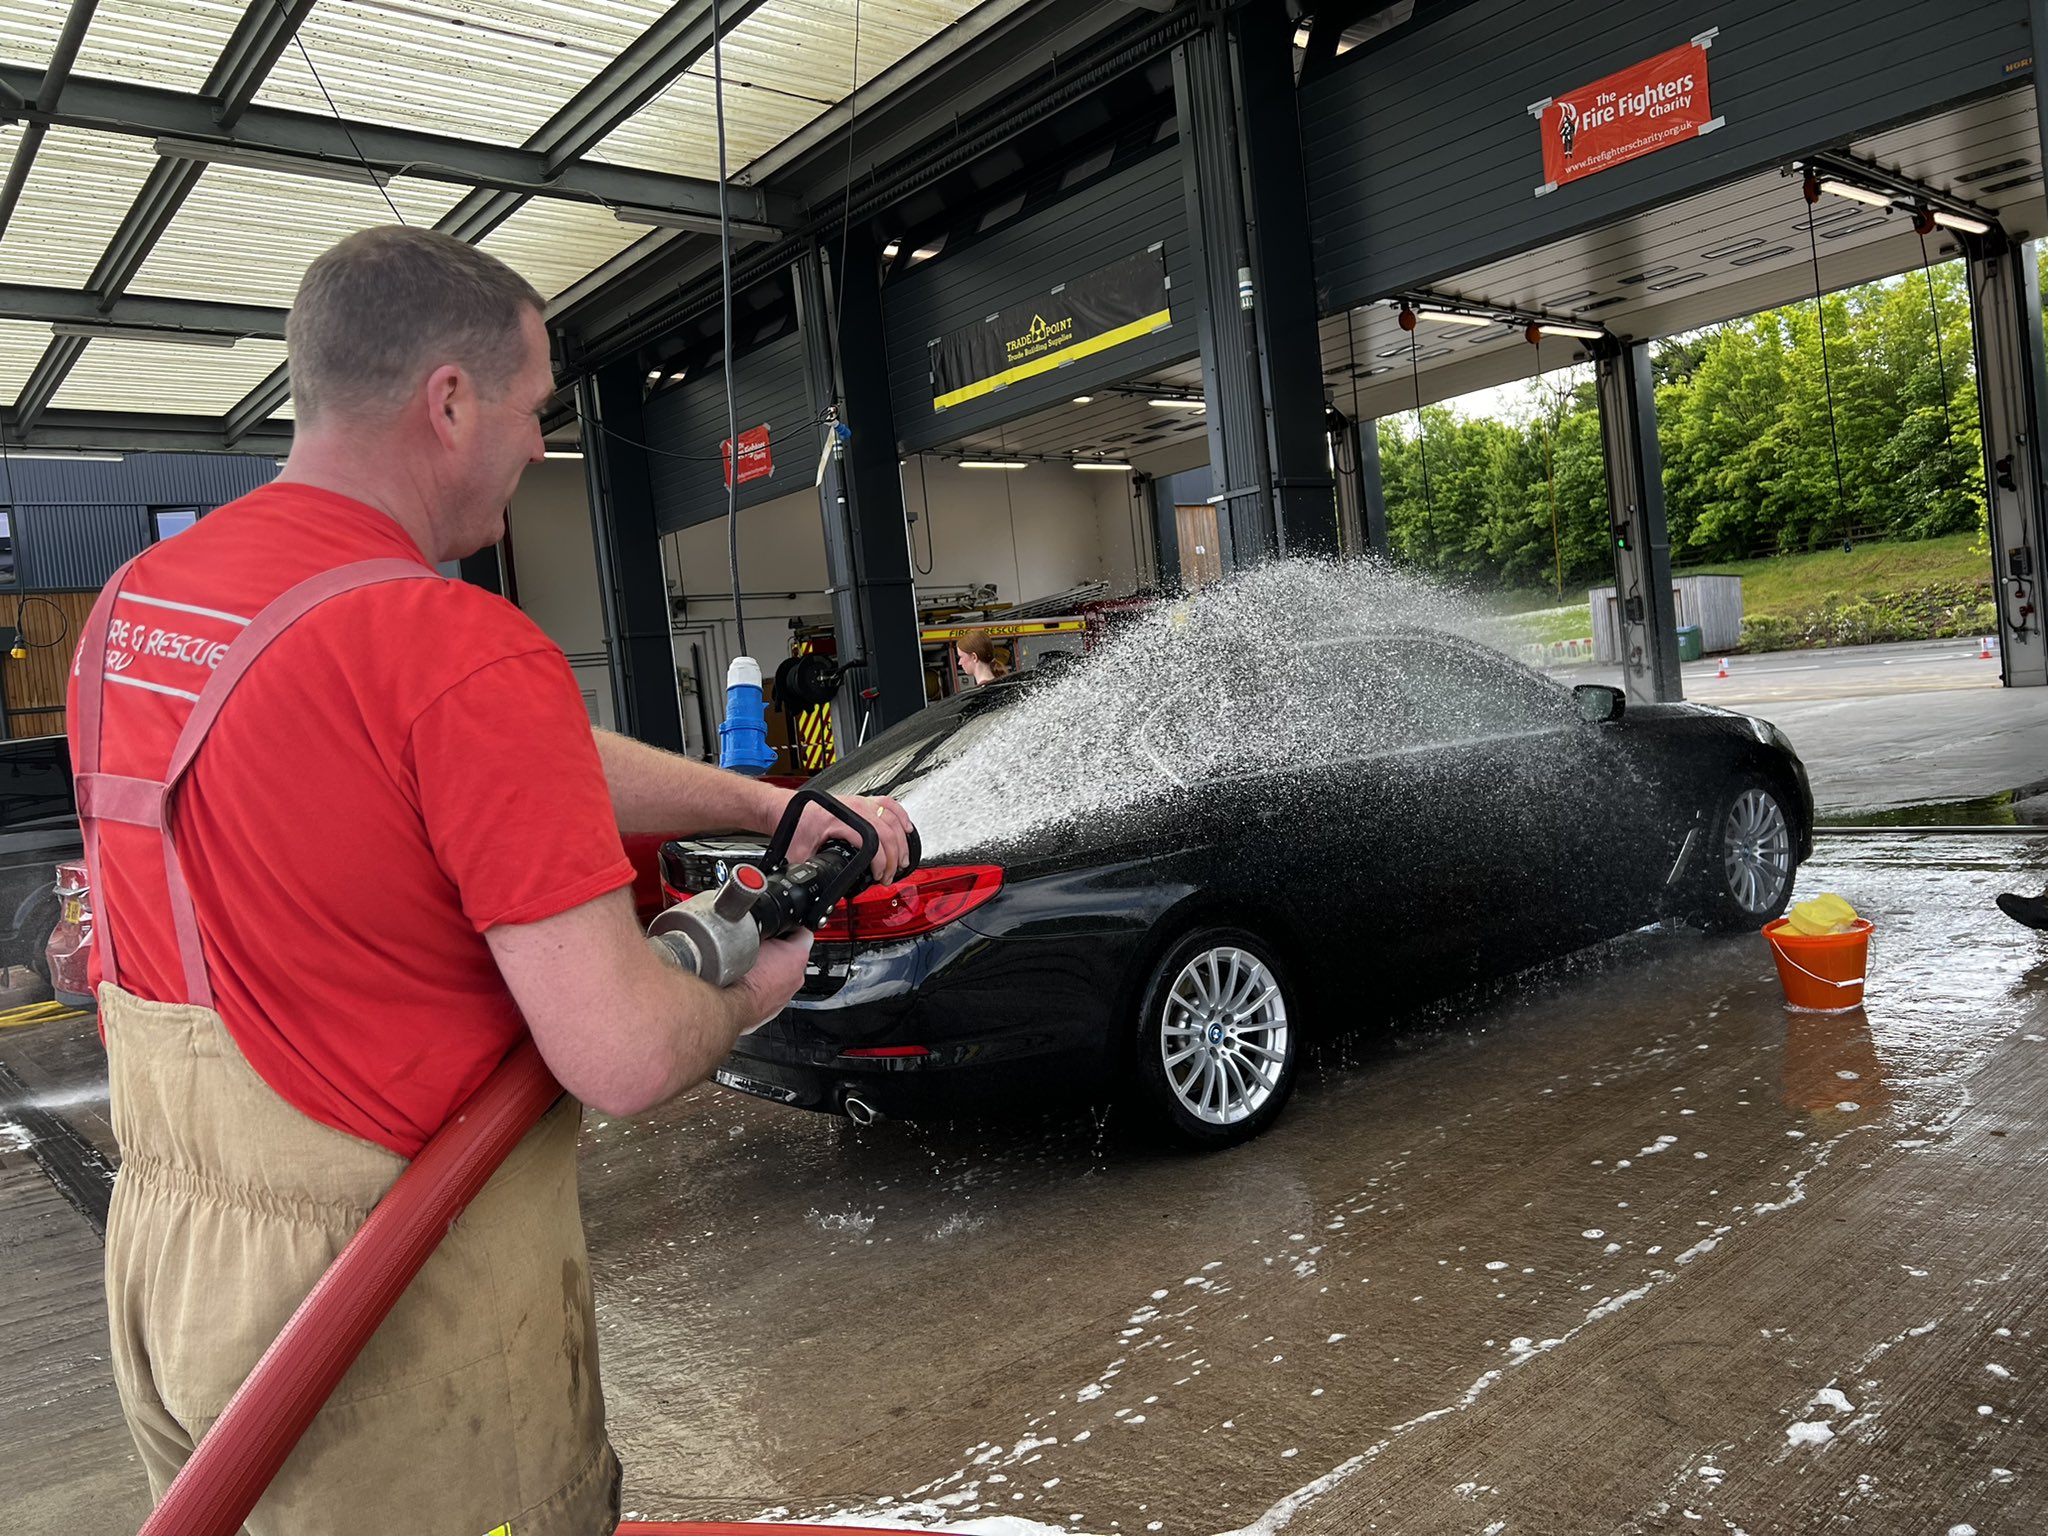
(396, 850)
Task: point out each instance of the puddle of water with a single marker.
(2021, 807)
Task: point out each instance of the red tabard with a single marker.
(407, 766)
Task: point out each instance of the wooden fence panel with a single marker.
(49, 623)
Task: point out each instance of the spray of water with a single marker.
(1290, 664)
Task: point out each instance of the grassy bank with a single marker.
(1923, 590)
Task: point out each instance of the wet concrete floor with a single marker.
(1622, 1247)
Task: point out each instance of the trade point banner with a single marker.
(1638, 110)
(1112, 305)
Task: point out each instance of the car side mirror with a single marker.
(1599, 704)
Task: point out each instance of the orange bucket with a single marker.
(1821, 973)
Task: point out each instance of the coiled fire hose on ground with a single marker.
(231, 1467)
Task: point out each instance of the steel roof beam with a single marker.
(57, 306)
(141, 432)
(62, 57)
(255, 408)
(109, 106)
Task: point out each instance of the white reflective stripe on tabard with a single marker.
(136, 682)
(165, 602)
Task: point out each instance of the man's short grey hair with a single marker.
(387, 306)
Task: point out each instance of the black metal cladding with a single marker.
(690, 419)
(1125, 212)
(1422, 157)
(76, 521)
(145, 479)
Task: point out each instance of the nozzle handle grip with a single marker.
(843, 881)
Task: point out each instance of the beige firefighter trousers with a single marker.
(476, 1404)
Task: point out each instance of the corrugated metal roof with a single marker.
(171, 43)
(552, 243)
(165, 376)
(76, 197)
(21, 344)
(493, 70)
(784, 65)
(246, 236)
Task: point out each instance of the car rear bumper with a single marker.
(1001, 1071)
(973, 1025)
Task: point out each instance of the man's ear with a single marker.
(448, 401)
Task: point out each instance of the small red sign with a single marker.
(1632, 112)
(756, 460)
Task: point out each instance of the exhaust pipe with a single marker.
(859, 1110)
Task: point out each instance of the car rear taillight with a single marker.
(921, 902)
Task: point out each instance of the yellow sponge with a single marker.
(1826, 913)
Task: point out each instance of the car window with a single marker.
(1300, 707)
(1461, 692)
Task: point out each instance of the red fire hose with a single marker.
(227, 1474)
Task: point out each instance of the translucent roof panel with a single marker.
(493, 70)
(82, 186)
(784, 65)
(171, 43)
(247, 236)
(161, 376)
(552, 243)
(22, 345)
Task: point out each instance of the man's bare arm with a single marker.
(620, 1029)
(657, 791)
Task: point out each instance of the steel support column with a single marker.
(1373, 485)
(2012, 395)
(860, 496)
(1635, 500)
(1255, 299)
(631, 590)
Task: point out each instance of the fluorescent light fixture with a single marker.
(1084, 399)
(68, 458)
(698, 223)
(108, 331)
(272, 160)
(1963, 222)
(889, 251)
(924, 253)
(1584, 332)
(1101, 464)
(1455, 317)
(1857, 194)
(654, 375)
(1301, 37)
(565, 453)
(993, 464)
(1179, 405)
(678, 376)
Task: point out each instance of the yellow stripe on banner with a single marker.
(1116, 338)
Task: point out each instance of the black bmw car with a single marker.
(1255, 854)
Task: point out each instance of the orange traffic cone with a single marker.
(1724, 668)
(1984, 648)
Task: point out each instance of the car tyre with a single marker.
(1750, 857)
(1219, 1043)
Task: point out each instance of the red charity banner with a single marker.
(1632, 112)
(756, 460)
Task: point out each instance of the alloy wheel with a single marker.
(1757, 850)
(1224, 1037)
